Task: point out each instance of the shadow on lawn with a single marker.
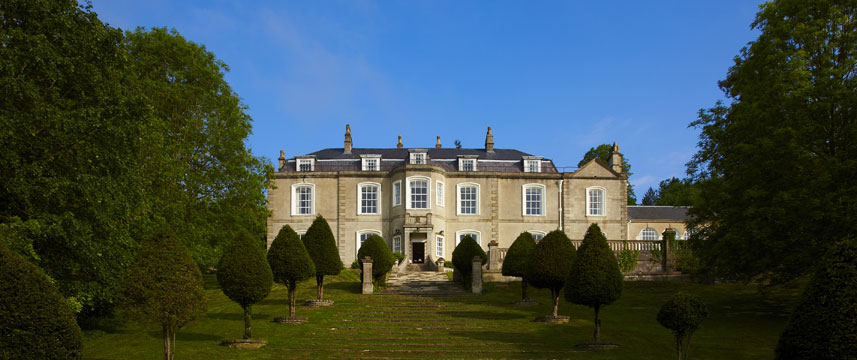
(347, 286)
(186, 336)
(237, 316)
(483, 315)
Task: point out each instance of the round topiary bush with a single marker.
(244, 274)
(321, 245)
(290, 262)
(594, 279)
(682, 315)
(518, 258)
(36, 322)
(824, 323)
(550, 263)
(163, 286)
(462, 258)
(382, 258)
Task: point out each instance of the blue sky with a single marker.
(552, 78)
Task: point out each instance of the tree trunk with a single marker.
(173, 350)
(678, 346)
(166, 343)
(597, 325)
(247, 322)
(319, 280)
(524, 290)
(292, 291)
(555, 295)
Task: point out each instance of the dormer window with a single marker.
(466, 164)
(371, 162)
(306, 164)
(418, 158)
(532, 164)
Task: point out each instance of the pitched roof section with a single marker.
(675, 213)
(501, 160)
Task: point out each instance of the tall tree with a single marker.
(163, 286)
(290, 262)
(602, 152)
(518, 259)
(321, 245)
(676, 192)
(775, 165)
(550, 263)
(244, 275)
(201, 179)
(650, 197)
(70, 123)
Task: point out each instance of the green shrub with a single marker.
(290, 262)
(594, 279)
(517, 259)
(163, 286)
(382, 258)
(682, 315)
(244, 274)
(824, 323)
(321, 245)
(398, 256)
(627, 258)
(355, 265)
(550, 263)
(35, 320)
(462, 258)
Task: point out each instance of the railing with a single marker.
(497, 255)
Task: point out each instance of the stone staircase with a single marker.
(422, 283)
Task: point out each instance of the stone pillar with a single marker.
(493, 256)
(440, 264)
(668, 236)
(367, 275)
(477, 275)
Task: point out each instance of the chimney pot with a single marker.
(347, 138)
(489, 141)
(437, 146)
(399, 145)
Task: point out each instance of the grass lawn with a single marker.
(743, 324)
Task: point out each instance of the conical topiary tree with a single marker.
(321, 245)
(550, 263)
(517, 259)
(382, 258)
(824, 323)
(682, 314)
(462, 258)
(163, 286)
(244, 274)
(35, 320)
(594, 279)
(290, 262)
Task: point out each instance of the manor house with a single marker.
(423, 201)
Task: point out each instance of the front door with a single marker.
(419, 253)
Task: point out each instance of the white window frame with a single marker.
(642, 236)
(299, 162)
(459, 234)
(416, 159)
(357, 241)
(295, 200)
(439, 193)
(397, 240)
(410, 205)
(529, 162)
(365, 160)
(439, 246)
(537, 232)
(524, 199)
(301, 234)
(360, 188)
(462, 161)
(458, 197)
(589, 201)
(397, 192)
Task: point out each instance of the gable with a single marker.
(595, 168)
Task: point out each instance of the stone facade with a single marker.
(482, 192)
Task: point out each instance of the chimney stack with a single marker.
(615, 159)
(282, 160)
(399, 145)
(489, 141)
(437, 146)
(347, 138)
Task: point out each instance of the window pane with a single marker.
(397, 193)
(649, 234)
(369, 199)
(304, 196)
(305, 165)
(439, 194)
(533, 197)
(397, 244)
(467, 165)
(596, 202)
(468, 199)
(439, 246)
(475, 236)
(419, 194)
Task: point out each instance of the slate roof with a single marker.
(335, 159)
(644, 212)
